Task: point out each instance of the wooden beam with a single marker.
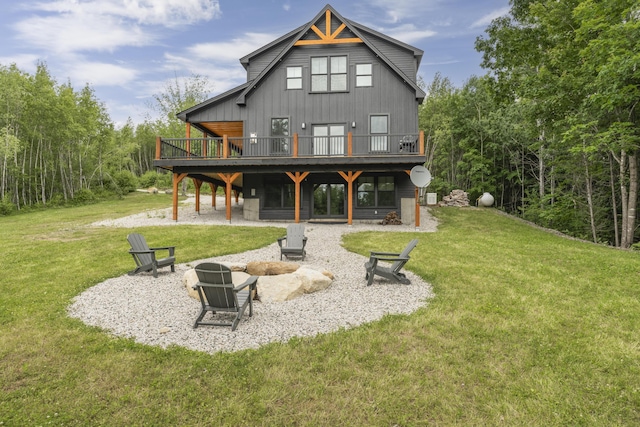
(197, 184)
(350, 177)
(176, 180)
(332, 41)
(214, 190)
(421, 138)
(158, 147)
(228, 179)
(297, 178)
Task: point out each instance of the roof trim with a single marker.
(182, 115)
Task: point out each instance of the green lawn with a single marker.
(526, 328)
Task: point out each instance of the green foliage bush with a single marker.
(125, 181)
(149, 179)
(6, 206)
(84, 197)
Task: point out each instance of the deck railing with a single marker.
(290, 146)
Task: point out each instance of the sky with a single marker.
(129, 50)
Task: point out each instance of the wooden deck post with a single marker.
(421, 142)
(214, 190)
(197, 183)
(177, 178)
(188, 136)
(349, 144)
(417, 207)
(228, 178)
(295, 144)
(158, 147)
(350, 177)
(225, 147)
(297, 178)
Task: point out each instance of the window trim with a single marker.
(376, 190)
(329, 74)
(370, 74)
(379, 139)
(281, 185)
(290, 79)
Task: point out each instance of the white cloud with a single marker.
(101, 74)
(147, 12)
(105, 25)
(24, 61)
(286, 7)
(230, 51)
(62, 34)
(409, 33)
(486, 19)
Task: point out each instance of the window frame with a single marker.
(379, 142)
(329, 74)
(284, 188)
(376, 191)
(290, 79)
(360, 74)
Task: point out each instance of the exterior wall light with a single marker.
(304, 125)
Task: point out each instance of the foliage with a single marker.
(552, 129)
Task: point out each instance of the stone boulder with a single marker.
(285, 287)
(190, 278)
(270, 268)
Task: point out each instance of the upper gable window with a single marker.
(294, 77)
(329, 74)
(364, 75)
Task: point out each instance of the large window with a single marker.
(294, 77)
(329, 74)
(379, 128)
(364, 75)
(279, 128)
(279, 195)
(376, 191)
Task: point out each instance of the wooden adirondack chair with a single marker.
(145, 257)
(398, 261)
(295, 242)
(218, 293)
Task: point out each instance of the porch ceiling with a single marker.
(231, 129)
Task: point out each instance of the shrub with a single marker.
(149, 179)
(125, 181)
(6, 205)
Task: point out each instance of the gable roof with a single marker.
(311, 34)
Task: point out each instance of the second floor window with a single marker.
(329, 74)
(294, 77)
(364, 75)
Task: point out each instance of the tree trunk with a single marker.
(614, 203)
(633, 200)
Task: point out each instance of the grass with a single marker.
(526, 328)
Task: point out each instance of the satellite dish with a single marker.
(420, 176)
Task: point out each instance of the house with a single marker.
(325, 128)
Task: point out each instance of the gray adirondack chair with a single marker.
(293, 244)
(218, 293)
(373, 267)
(145, 257)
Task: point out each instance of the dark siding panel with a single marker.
(389, 95)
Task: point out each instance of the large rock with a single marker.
(190, 278)
(285, 287)
(270, 268)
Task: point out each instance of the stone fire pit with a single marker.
(277, 281)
